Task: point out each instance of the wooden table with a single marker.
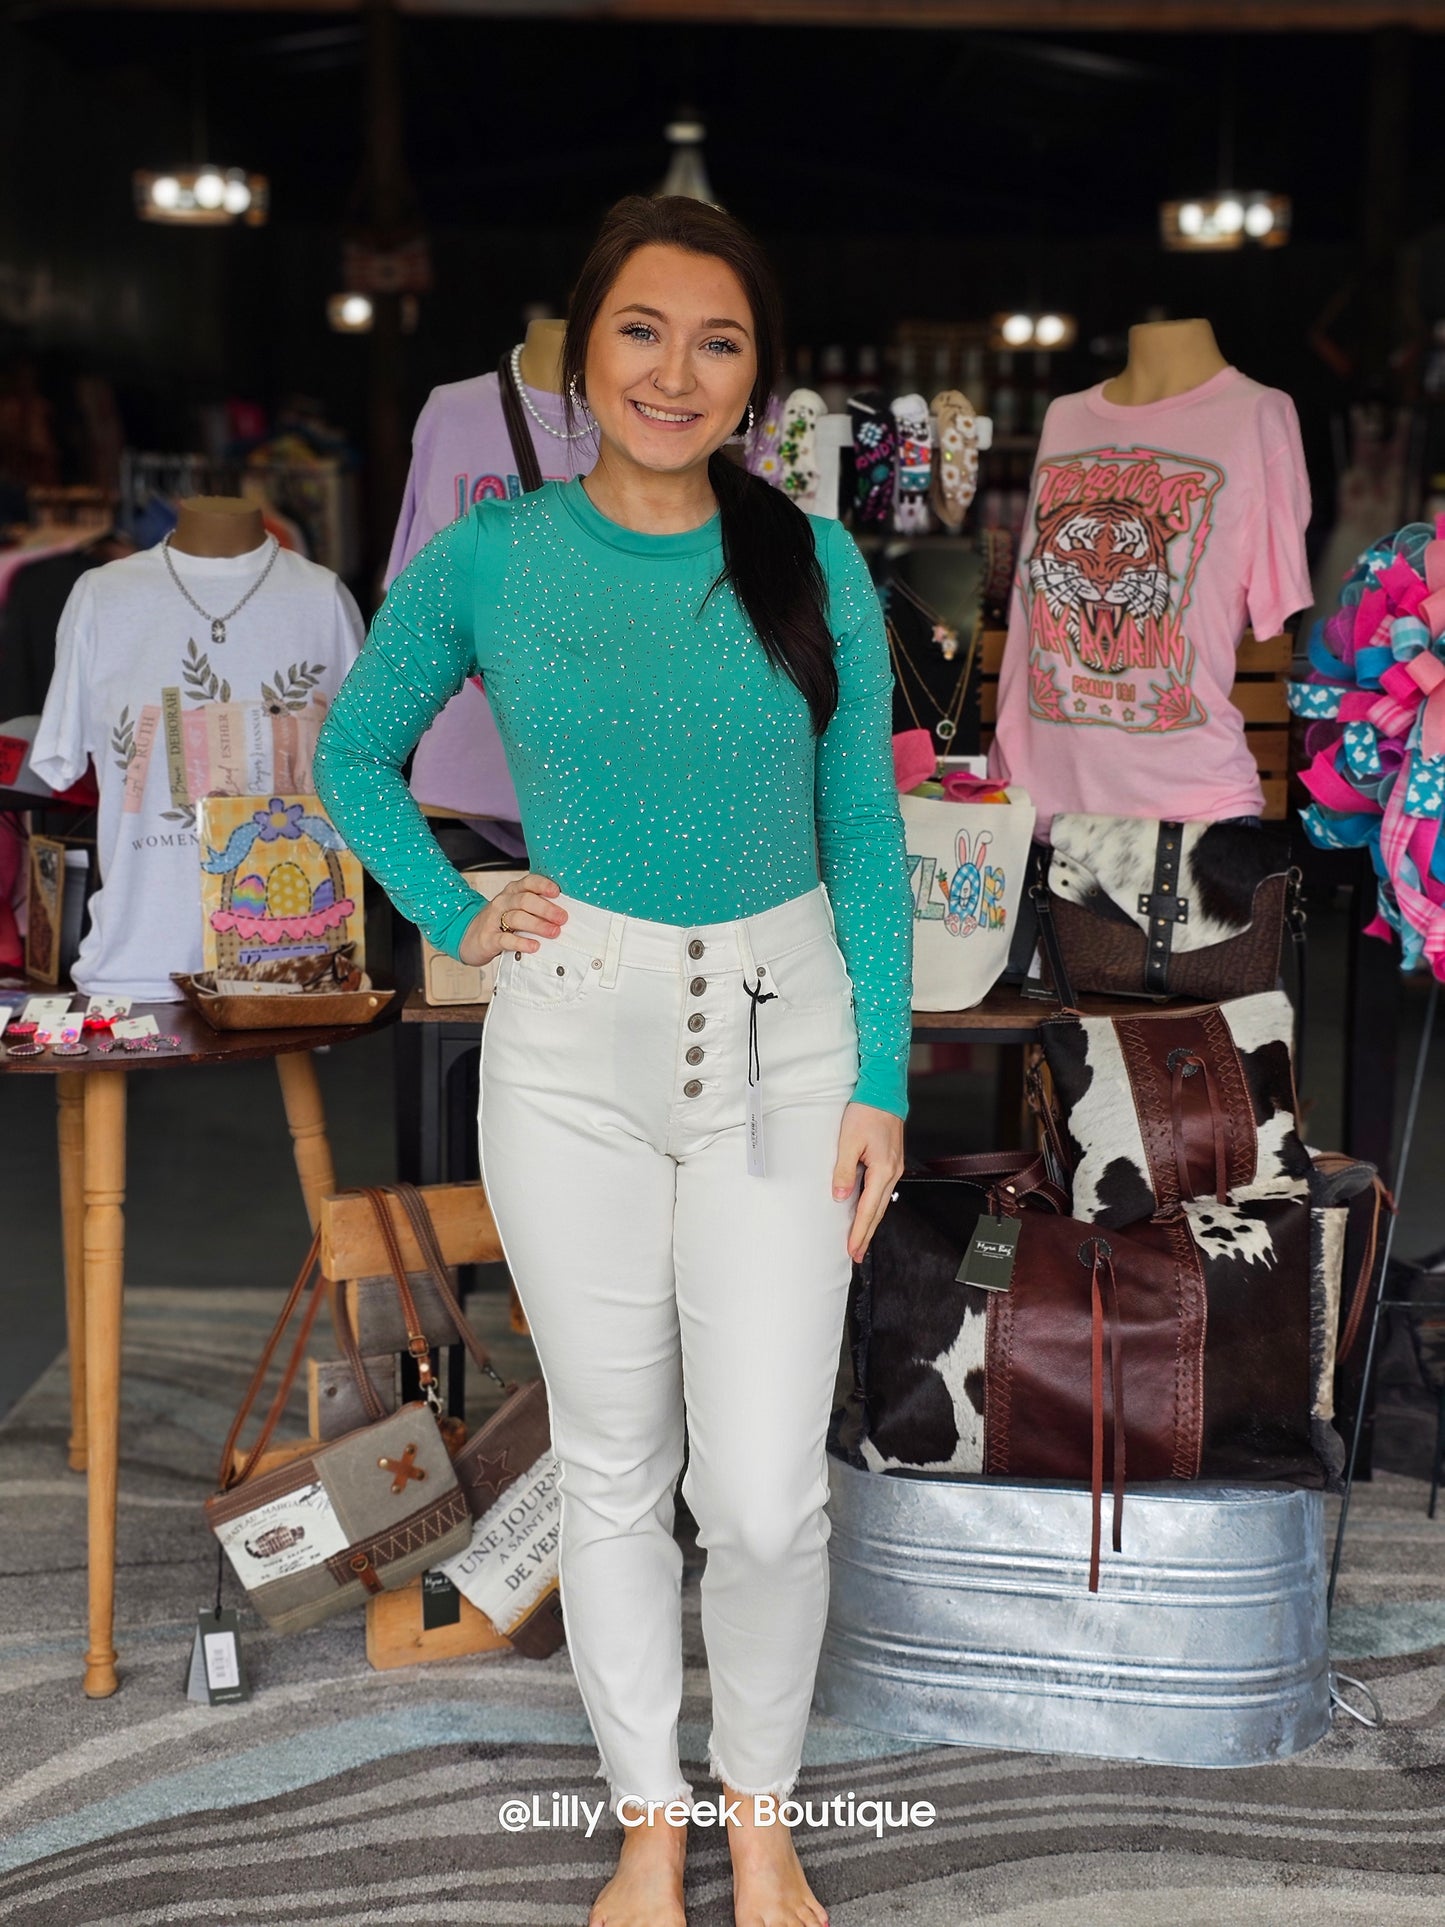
(435, 1038)
(90, 1093)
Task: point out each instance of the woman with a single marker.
(691, 680)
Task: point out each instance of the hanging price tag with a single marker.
(756, 1166)
(218, 1672)
(989, 1260)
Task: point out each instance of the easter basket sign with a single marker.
(277, 881)
(967, 862)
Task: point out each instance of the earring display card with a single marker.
(145, 1026)
(217, 1674)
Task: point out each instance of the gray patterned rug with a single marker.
(338, 1794)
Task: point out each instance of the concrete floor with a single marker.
(213, 1198)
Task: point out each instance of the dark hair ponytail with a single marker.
(769, 555)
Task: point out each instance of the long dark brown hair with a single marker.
(769, 555)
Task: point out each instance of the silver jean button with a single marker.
(694, 1056)
(692, 1087)
(696, 1021)
(698, 986)
(696, 947)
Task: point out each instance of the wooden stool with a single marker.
(354, 1260)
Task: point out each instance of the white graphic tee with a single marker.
(169, 716)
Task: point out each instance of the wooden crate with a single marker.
(396, 1634)
(1259, 694)
(352, 1247)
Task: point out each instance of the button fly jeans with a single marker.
(668, 1286)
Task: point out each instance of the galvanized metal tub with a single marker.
(960, 1612)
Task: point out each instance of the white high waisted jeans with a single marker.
(667, 1286)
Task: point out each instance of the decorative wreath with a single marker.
(1375, 702)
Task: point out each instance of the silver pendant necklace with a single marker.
(218, 623)
(531, 407)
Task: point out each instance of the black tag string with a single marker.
(220, 1576)
(759, 996)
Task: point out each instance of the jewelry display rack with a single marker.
(834, 433)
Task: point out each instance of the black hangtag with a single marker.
(989, 1260)
(218, 1668)
(441, 1603)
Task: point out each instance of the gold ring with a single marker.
(504, 926)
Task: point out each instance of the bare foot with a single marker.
(770, 1888)
(646, 1890)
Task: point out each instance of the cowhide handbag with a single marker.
(1135, 1353)
(1137, 908)
(1177, 1108)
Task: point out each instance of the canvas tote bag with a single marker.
(966, 862)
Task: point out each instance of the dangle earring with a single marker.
(578, 401)
(746, 434)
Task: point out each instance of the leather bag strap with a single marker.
(529, 470)
(1053, 950)
(1057, 1152)
(1020, 1175)
(1296, 922)
(1104, 1319)
(1163, 906)
(1359, 1297)
(309, 1274)
(416, 1339)
(346, 1337)
(413, 1202)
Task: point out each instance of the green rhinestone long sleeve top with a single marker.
(663, 767)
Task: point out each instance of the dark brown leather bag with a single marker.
(1127, 926)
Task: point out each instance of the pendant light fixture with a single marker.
(201, 194)
(1219, 223)
(686, 170)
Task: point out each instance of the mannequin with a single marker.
(1165, 358)
(217, 525)
(1167, 516)
(462, 454)
(542, 355)
(200, 667)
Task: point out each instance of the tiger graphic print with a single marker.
(1118, 535)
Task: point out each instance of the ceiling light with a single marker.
(354, 313)
(1042, 331)
(350, 314)
(1224, 221)
(202, 196)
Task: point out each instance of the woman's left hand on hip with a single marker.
(874, 1139)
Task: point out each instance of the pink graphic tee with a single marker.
(1154, 536)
